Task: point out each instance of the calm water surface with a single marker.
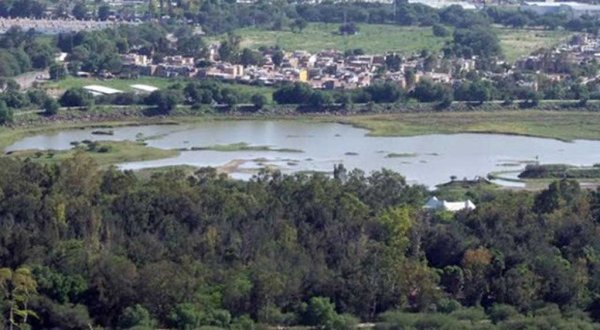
(428, 159)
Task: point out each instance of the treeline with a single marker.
(21, 51)
(559, 171)
(478, 90)
(220, 17)
(197, 94)
(83, 247)
(96, 51)
(206, 95)
(61, 9)
(11, 98)
(92, 51)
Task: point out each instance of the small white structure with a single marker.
(144, 88)
(435, 204)
(444, 3)
(61, 57)
(101, 90)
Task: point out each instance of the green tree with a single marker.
(229, 49)
(51, 107)
(298, 25)
(250, 57)
(186, 317)
(319, 100)
(6, 114)
(104, 12)
(348, 29)
(320, 312)
(57, 71)
(164, 101)
(277, 57)
(440, 31)
(136, 317)
(76, 97)
(80, 10)
(18, 287)
(192, 46)
(259, 100)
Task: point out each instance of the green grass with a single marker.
(462, 190)
(248, 90)
(383, 38)
(372, 38)
(563, 125)
(517, 43)
(115, 152)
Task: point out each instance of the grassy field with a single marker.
(563, 125)
(106, 153)
(521, 42)
(372, 38)
(379, 39)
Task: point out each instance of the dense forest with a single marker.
(84, 247)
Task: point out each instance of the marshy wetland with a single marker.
(241, 148)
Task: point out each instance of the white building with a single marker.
(435, 204)
(101, 90)
(139, 88)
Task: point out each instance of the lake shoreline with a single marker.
(564, 125)
(308, 143)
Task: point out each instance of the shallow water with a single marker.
(427, 159)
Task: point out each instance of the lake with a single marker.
(427, 159)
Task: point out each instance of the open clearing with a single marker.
(372, 38)
(383, 38)
(521, 42)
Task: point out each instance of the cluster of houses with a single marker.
(581, 49)
(328, 69)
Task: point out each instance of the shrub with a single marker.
(501, 312)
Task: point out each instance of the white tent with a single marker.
(101, 90)
(435, 204)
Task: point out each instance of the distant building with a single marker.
(178, 60)
(435, 204)
(303, 75)
(135, 60)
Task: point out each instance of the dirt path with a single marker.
(27, 79)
